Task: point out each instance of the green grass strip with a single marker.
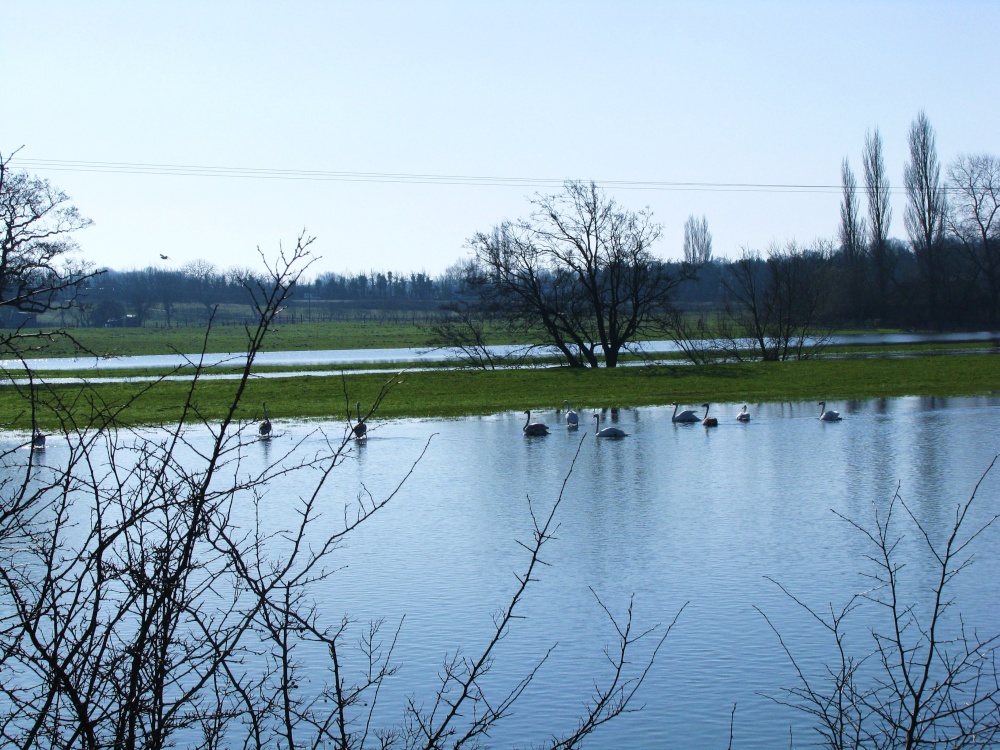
(461, 393)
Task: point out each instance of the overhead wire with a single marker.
(187, 170)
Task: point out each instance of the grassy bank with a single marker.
(459, 393)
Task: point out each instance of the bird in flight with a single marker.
(164, 257)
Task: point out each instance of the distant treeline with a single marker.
(961, 295)
(161, 297)
(964, 294)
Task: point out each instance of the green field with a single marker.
(452, 393)
(232, 338)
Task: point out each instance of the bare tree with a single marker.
(698, 336)
(37, 269)
(581, 270)
(469, 323)
(204, 278)
(112, 631)
(242, 276)
(853, 236)
(773, 306)
(697, 241)
(136, 611)
(927, 206)
(749, 309)
(974, 184)
(879, 217)
(928, 679)
(466, 329)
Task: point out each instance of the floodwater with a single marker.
(342, 357)
(671, 515)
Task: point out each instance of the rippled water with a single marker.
(673, 514)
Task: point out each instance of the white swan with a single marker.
(536, 428)
(265, 427)
(743, 416)
(608, 432)
(828, 416)
(687, 415)
(709, 421)
(360, 429)
(572, 418)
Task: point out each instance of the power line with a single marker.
(184, 170)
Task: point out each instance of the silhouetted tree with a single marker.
(203, 282)
(774, 305)
(926, 679)
(581, 270)
(853, 238)
(879, 218)
(926, 208)
(37, 269)
(697, 241)
(974, 218)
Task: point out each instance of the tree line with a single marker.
(167, 297)
(583, 272)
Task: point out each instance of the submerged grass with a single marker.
(464, 392)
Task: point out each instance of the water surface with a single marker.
(672, 514)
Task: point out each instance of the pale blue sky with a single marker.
(768, 93)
